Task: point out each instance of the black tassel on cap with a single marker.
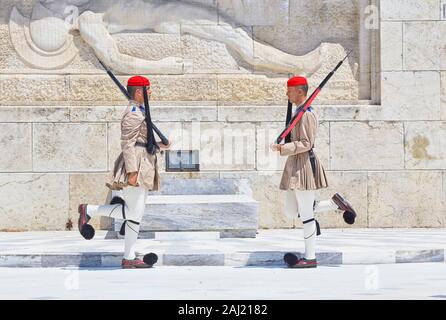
(152, 146)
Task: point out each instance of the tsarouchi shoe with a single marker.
(134, 264)
(344, 205)
(86, 230)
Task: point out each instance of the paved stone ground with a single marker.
(386, 281)
(334, 247)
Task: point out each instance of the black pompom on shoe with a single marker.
(87, 231)
(150, 259)
(349, 217)
(290, 259)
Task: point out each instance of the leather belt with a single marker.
(140, 144)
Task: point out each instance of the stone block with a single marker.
(189, 175)
(401, 101)
(184, 88)
(199, 212)
(204, 259)
(391, 46)
(191, 137)
(226, 146)
(443, 95)
(366, 145)
(97, 113)
(252, 88)
(178, 113)
(33, 89)
(424, 45)
(425, 145)
(347, 112)
(33, 201)
(21, 261)
(69, 147)
(443, 196)
(405, 199)
(16, 146)
(83, 260)
(252, 113)
(97, 89)
(34, 114)
(418, 256)
(203, 186)
(410, 10)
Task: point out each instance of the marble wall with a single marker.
(59, 129)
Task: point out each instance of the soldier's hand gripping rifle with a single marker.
(163, 138)
(295, 118)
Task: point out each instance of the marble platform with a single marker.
(334, 247)
(224, 206)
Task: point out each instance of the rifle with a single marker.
(301, 109)
(163, 138)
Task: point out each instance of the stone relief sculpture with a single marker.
(45, 42)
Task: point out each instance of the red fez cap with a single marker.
(138, 81)
(297, 81)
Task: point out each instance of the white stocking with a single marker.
(291, 207)
(135, 198)
(131, 235)
(107, 210)
(305, 200)
(135, 201)
(325, 205)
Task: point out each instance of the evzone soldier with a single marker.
(135, 172)
(303, 175)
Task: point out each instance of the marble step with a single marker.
(60, 249)
(203, 186)
(232, 215)
(171, 235)
(185, 235)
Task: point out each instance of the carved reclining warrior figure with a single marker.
(58, 18)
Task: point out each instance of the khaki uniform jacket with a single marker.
(298, 173)
(134, 157)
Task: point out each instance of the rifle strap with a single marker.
(288, 119)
